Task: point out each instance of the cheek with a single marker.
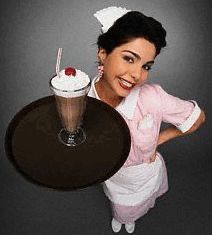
(143, 78)
(114, 63)
(108, 71)
(112, 69)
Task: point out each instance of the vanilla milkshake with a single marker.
(70, 89)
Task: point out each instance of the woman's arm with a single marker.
(172, 132)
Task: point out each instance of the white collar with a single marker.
(128, 104)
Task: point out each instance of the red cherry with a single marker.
(70, 71)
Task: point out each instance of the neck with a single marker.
(106, 93)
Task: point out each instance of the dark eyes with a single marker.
(146, 67)
(131, 60)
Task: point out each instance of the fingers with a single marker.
(152, 159)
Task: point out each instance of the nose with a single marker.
(136, 73)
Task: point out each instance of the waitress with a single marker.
(127, 49)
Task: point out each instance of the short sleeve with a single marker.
(181, 113)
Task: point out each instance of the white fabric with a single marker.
(108, 16)
(133, 185)
(92, 92)
(128, 104)
(191, 119)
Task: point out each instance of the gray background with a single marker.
(31, 32)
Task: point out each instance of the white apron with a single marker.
(133, 185)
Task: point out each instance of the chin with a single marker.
(123, 94)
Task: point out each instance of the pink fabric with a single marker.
(154, 101)
(161, 106)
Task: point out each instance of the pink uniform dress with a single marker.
(135, 187)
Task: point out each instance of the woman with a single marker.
(127, 49)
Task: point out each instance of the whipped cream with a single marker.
(69, 86)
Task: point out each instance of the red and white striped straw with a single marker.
(59, 55)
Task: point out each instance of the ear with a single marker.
(102, 55)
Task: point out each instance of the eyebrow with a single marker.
(138, 57)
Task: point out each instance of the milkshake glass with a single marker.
(70, 93)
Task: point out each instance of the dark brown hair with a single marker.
(133, 25)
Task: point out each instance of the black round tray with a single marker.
(32, 145)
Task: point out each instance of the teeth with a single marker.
(126, 83)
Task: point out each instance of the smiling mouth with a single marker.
(125, 84)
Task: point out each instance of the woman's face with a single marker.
(127, 66)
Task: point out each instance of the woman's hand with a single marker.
(172, 132)
(152, 159)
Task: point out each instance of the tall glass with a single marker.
(71, 106)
